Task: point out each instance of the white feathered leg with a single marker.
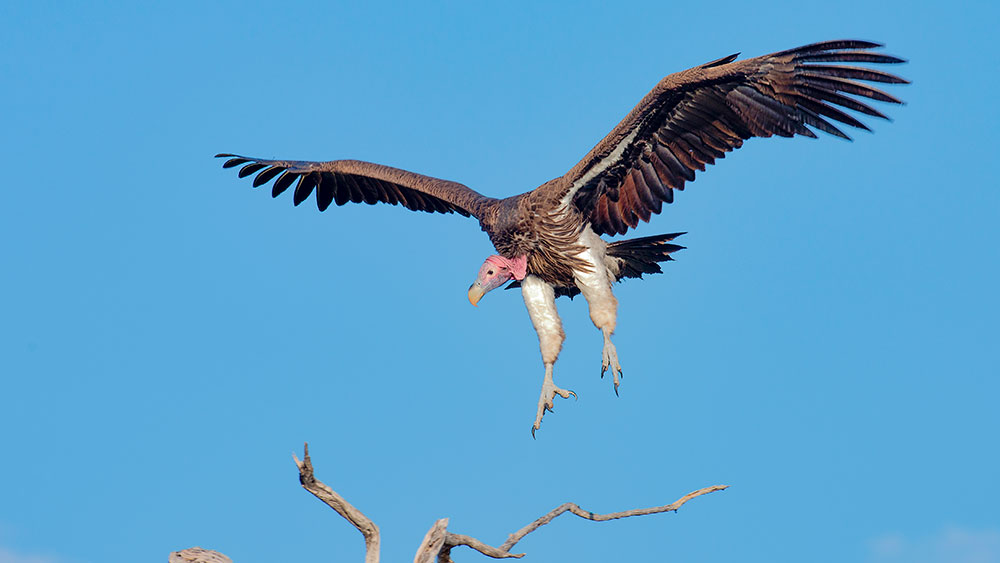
(596, 288)
(540, 299)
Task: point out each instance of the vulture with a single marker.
(548, 240)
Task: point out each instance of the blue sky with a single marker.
(826, 345)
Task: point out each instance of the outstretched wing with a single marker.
(694, 117)
(342, 181)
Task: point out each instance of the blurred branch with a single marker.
(198, 555)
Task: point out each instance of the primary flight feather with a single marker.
(548, 240)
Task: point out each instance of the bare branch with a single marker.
(438, 542)
(433, 543)
(337, 502)
(455, 540)
(571, 507)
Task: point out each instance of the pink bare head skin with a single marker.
(494, 272)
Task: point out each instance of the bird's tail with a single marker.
(640, 256)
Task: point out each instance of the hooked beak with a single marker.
(490, 277)
(476, 292)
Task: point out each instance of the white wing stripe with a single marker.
(605, 162)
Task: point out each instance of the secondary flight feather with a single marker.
(548, 240)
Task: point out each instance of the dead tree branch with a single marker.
(455, 540)
(438, 542)
(433, 543)
(367, 528)
(572, 507)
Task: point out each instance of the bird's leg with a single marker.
(545, 401)
(595, 284)
(610, 360)
(540, 299)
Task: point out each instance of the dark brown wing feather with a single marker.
(343, 181)
(694, 117)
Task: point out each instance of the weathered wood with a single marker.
(433, 543)
(572, 507)
(438, 542)
(324, 493)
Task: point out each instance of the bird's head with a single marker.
(496, 271)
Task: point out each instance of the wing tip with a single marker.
(719, 62)
(832, 45)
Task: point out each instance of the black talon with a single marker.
(533, 432)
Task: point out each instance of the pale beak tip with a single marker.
(475, 296)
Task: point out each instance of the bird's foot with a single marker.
(610, 360)
(546, 400)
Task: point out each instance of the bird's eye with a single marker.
(489, 273)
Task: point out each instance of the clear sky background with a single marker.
(827, 344)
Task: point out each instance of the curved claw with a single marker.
(572, 392)
(533, 432)
(616, 391)
(546, 402)
(610, 361)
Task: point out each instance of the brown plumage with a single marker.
(689, 120)
(694, 117)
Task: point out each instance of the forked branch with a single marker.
(367, 528)
(438, 542)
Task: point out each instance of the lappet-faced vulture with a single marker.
(548, 240)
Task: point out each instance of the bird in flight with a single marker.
(548, 240)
